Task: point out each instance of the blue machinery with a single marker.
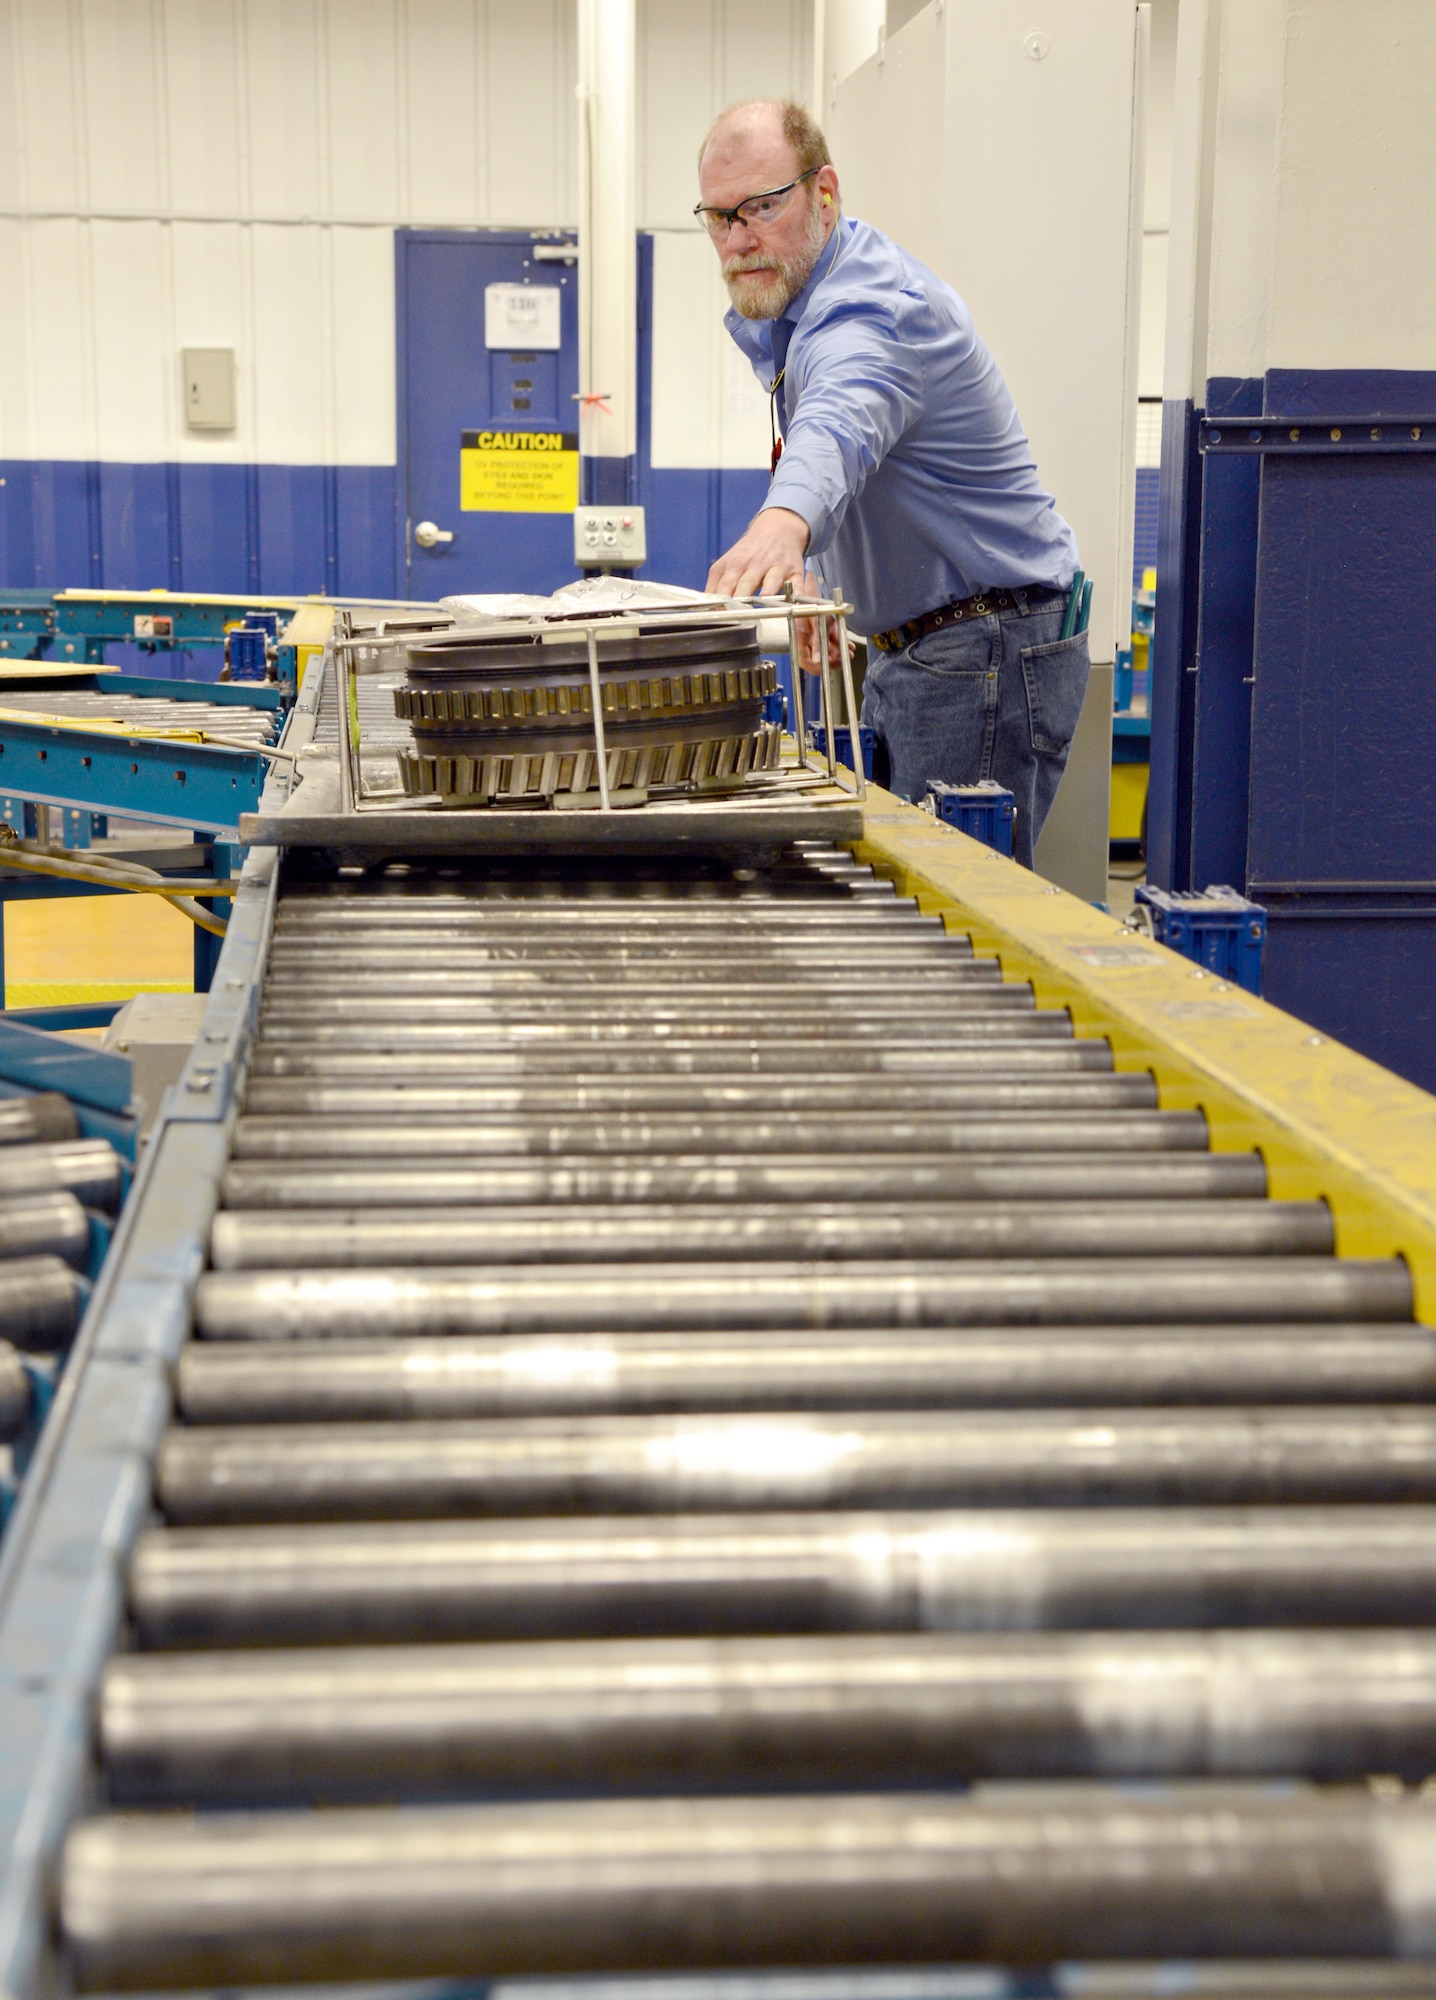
(769, 1353)
(145, 764)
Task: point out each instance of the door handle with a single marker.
(428, 536)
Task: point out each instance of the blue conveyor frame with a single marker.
(87, 1491)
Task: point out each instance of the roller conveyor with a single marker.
(728, 1715)
(695, 1367)
(256, 1382)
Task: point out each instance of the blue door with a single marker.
(488, 376)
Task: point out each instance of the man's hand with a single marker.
(767, 557)
(809, 628)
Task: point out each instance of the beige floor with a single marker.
(73, 949)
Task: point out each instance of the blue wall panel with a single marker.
(290, 529)
(693, 516)
(1361, 972)
(1222, 664)
(1174, 646)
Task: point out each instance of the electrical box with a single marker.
(843, 744)
(985, 811)
(1217, 927)
(209, 388)
(609, 538)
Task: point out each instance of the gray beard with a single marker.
(755, 294)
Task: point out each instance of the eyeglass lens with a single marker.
(759, 208)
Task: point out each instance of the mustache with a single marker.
(751, 260)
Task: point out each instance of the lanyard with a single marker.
(773, 419)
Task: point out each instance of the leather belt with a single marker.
(983, 604)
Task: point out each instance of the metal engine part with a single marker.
(511, 719)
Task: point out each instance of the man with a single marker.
(904, 478)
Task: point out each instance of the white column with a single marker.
(607, 245)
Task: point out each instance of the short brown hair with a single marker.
(801, 130)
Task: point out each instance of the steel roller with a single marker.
(726, 1715)
(538, 961)
(657, 1134)
(660, 1298)
(640, 1886)
(89, 1169)
(577, 1023)
(929, 962)
(52, 1224)
(1130, 1091)
(45, 1115)
(41, 1300)
(773, 1460)
(549, 955)
(419, 1141)
(682, 1055)
(978, 1570)
(16, 1394)
(881, 991)
(557, 1374)
(310, 1179)
(823, 913)
(381, 1233)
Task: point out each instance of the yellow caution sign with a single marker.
(518, 472)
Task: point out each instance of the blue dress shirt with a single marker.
(902, 448)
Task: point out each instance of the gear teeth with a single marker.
(652, 699)
(495, 780)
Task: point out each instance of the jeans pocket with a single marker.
(1055, 677)
(959, 649)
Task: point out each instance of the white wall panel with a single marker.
(292, 381)
(695, 57)
(134, 358)
(50, 129)
(1352, 282)
(16, 411)
(119, 62)
(360, 95)
(58, 328)
(442, 81)
(362, 268)
(1244, 187)
(202, 88)
(530, 115)
(282, 139)
(708, 407)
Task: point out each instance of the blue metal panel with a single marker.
(1221, 719)
(1343, 785)
(694, 515)
(1363, 969)
(1174, 647)
(447, 385)
(181, 784)
(229, 528)
(135, 525)
(88, 1490)
(39, 1061)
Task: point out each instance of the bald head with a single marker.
(767, 123)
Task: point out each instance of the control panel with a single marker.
(608, 537)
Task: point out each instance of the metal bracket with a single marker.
(1304, 437)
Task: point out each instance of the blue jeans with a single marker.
(994, 697)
